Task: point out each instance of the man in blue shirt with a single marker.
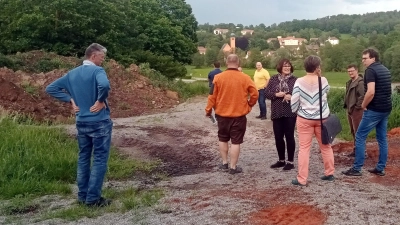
(214, 72)
(86, 88)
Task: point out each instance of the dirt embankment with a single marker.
(132, 94)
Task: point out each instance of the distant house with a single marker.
(247, 31)
(220, 31)
(201, 50)
(291, 41)
(314, 39)
(288, 41)
(333, 40)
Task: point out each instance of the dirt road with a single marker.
(197, 193)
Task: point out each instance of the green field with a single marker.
(336, 79)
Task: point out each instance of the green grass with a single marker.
(128, 199)
(185, 90)
(38, 160)
(336, 79)
(345, 36)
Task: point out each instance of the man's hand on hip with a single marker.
(97, 106)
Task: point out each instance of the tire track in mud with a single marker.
(181, 151)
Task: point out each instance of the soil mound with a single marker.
(132, 94)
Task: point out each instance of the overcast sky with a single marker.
(254, 12)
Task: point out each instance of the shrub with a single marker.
(336, 102)
(6, 62)
(164, 64)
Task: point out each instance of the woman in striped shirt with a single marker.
(305, 102)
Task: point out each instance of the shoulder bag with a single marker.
(331, 126)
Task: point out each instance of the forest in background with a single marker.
(380, 30)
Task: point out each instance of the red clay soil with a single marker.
(392, 177)
(293, 214)
(276, 206)
(132, 94)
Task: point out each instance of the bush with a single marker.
(336, 102)
(6, 62)
(164, 64)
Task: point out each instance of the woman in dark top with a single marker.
(279, 91)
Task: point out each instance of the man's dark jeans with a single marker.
(93, 137)
(261, 102)
(369, 121)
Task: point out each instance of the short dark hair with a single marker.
(352, 66)
(217, 64)
(281, 63)
(311, 63)
(372, 53)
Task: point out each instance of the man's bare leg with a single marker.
(223, 150)
(235, 150)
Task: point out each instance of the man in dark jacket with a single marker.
(214, 72)
(353, 99)
(377, 105)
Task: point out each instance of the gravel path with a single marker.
(197, 193)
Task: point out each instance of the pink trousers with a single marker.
(306, 129)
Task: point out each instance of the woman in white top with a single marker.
(305, 102)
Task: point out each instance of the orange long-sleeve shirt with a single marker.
(230, 94)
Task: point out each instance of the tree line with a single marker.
(160, 32)
(385, 38)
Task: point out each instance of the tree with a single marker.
(130, 29)
(274, 45)
(198, 60)
(391, 58)
(281, 53)
(211, 55)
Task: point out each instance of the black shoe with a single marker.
(352, 172)
(258, 117)
(236, 170)
(278, 164)
(263, 118)
(100, 203)
(296, 182)
(288, 166)
(377, 172)
(328, 178)
(223, 166)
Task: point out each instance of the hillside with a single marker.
(356, 24)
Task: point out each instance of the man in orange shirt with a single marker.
(228, 97)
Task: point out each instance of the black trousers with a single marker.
(284, 127)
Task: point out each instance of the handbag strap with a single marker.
(320, 98)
